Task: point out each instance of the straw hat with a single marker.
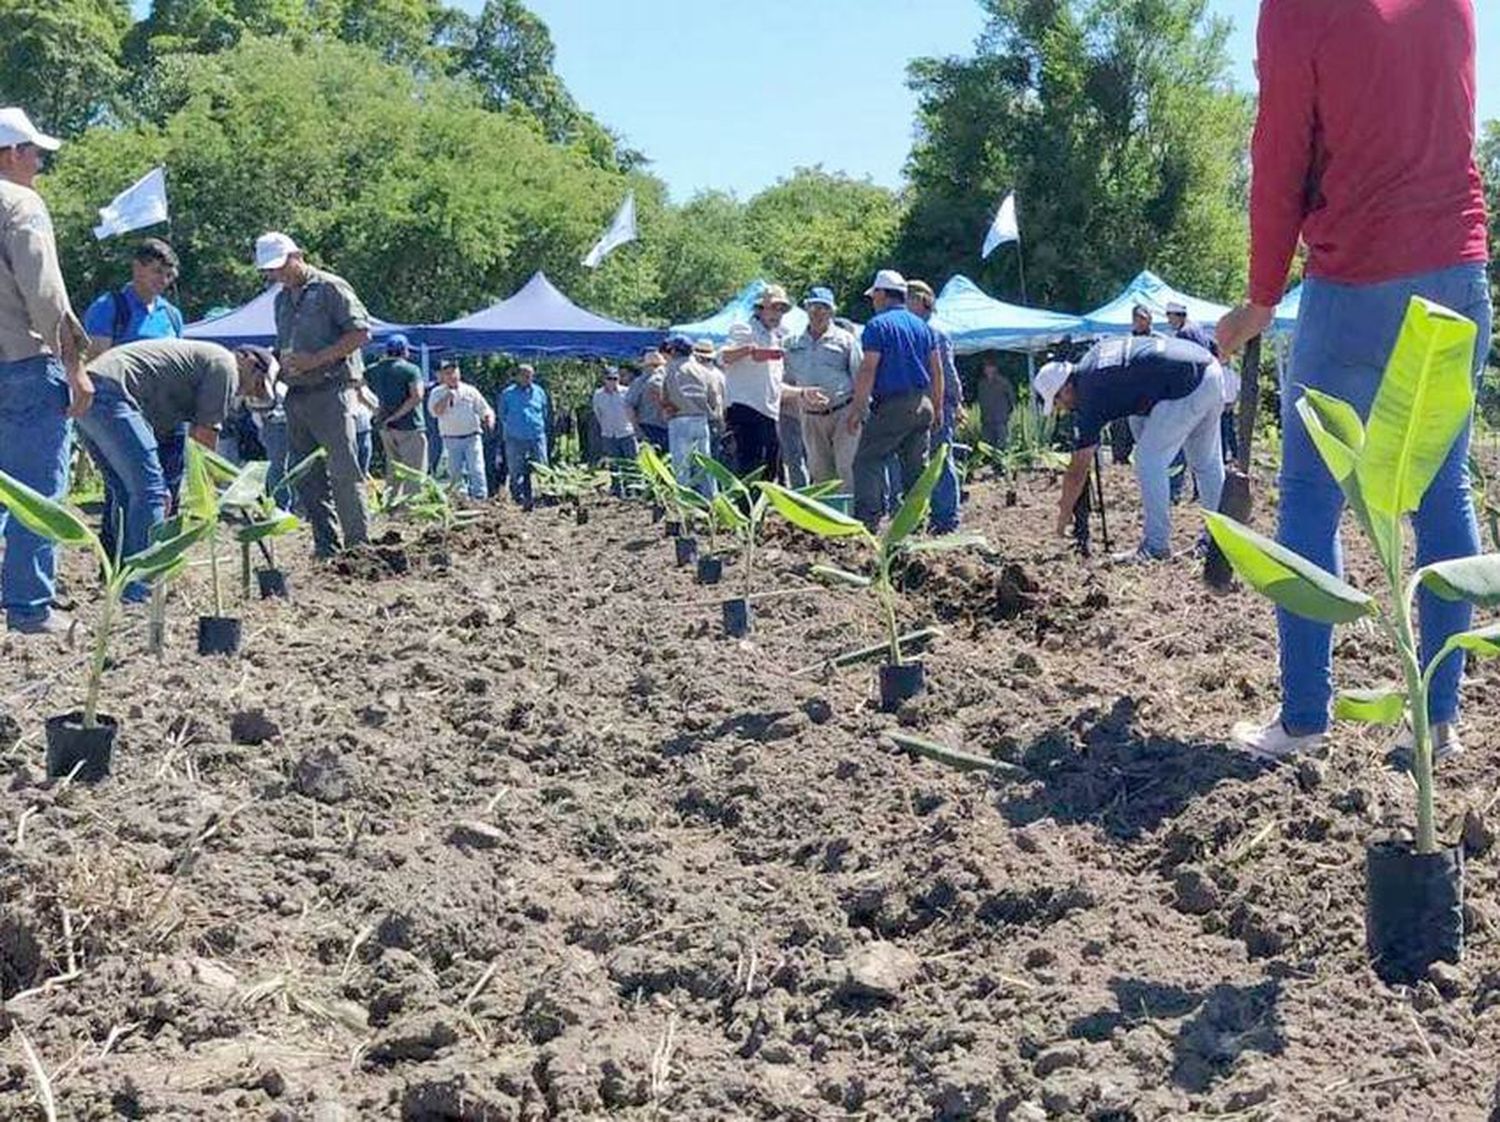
(774, 294)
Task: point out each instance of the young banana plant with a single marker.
(887, 549)
(57, 523)
(1384, 467)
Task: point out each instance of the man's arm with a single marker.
(440, 400)
(935, 371)
(341, 348)
(864, 386)
(33, 259)
(1075, 479)
(206, 435)
(413, 399)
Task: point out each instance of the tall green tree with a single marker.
(1115, 123)
(817, 227)
(59, 59)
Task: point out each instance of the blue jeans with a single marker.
(466, 464)
(942, 513)
(124, 448)
(273, 437)
(520, 453)
(1190, 426)
(364, 451)
(688, 435)
(33, 450)
(1344, 335)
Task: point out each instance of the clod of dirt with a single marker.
(323, 775)
(10, 731)
(1195, 892)
(459, 1097)
(20, 955)
(419, 1037)
(1446, 978)
(475, 835)
(1478, 834)
(253, 727)
(1058, 1058)
(880, 970)
(1311, 773)
(818, 711)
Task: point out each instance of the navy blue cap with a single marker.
(677, 344)
(397, 344)
(819, 295)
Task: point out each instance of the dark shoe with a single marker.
(53, 623)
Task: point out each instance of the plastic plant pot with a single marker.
(218, 635)
(687, 551)
(899, 682)
(581, 516)
(737, 620)
(272, 584)
(658, 512)
(673, 529)
(1414, 910)
(710, 569)
(70, 744)
(1010, 498)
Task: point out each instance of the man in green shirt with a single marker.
(400, 388)
(320, 327)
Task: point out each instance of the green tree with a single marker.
(1115, 123)
(60, 58)
(705, 256)
(817, 227)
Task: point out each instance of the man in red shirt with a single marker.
(1364, 149)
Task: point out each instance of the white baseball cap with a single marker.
(1048, 380)
(887, 280)
(272, 250)
(16, 128)
(1176, 308)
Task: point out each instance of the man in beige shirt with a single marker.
(42, 380)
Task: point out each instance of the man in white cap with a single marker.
(828, 357)
(1177, 386)
(1184, 328)
(42, 379)
(900, 387)
(320, 327)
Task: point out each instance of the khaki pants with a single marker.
(407, 447)
(830, 447)
(319, 417)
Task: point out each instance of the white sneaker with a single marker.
(1137, 556)
(1445, 744)
(1271, 741)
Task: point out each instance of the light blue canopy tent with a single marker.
(539, 322)
(977, 322)
(1148, 289)
(255, 323)
(1288, 310)
(739, 310)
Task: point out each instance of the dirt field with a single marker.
(517, 834)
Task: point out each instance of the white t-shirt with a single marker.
(752, 382)
(465, 416)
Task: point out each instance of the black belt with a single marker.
(461, 436)
(830, 410)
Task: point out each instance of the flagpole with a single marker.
(1026, 302)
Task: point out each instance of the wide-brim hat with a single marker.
(773, 294)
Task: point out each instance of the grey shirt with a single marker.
(691, 389)
(172, 381)
(647, 406)
(997, 397)
(317, 315)
(828, 362)
(34, 307)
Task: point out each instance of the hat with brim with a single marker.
(16, 129)
(704, 348)
(820, 295)
(1050, 379)
(1176, 308)
(887, 280)
(774, 295)
(272, 250)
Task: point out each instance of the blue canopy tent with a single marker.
(255, 323)
(539, 322)
(977, 322)
(1287, 311)
(1148, 289)
(739, 310)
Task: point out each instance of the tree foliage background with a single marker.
(436, 159)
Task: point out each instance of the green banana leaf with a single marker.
(914, 509)
(1425, 398)
(200, 499)
(810, 515)
(247, 488)
(834, 575)
(1339, 436)
(966, 539)
(1475, 579)
(1372, 707)
(295, 473)
(162, 556)
(43, 516)
(1295, 583)
(280, 523)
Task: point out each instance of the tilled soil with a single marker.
(498, 825)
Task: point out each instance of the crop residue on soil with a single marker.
(497, 825)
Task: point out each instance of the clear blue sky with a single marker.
(734, 95)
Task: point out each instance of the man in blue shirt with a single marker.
(1177, 386)
(523, 424)
(943, 516)
(140, 310)
(900, 386)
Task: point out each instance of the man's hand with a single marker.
(856, 417)
(814, 398)
(937, 418)
(1064, 527)
(80, 391)
(300, 363)
(1243, 324)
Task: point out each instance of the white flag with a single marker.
(143, 203)
(1004, 229)
(620, 231)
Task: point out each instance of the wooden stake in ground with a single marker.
(1237, 501)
